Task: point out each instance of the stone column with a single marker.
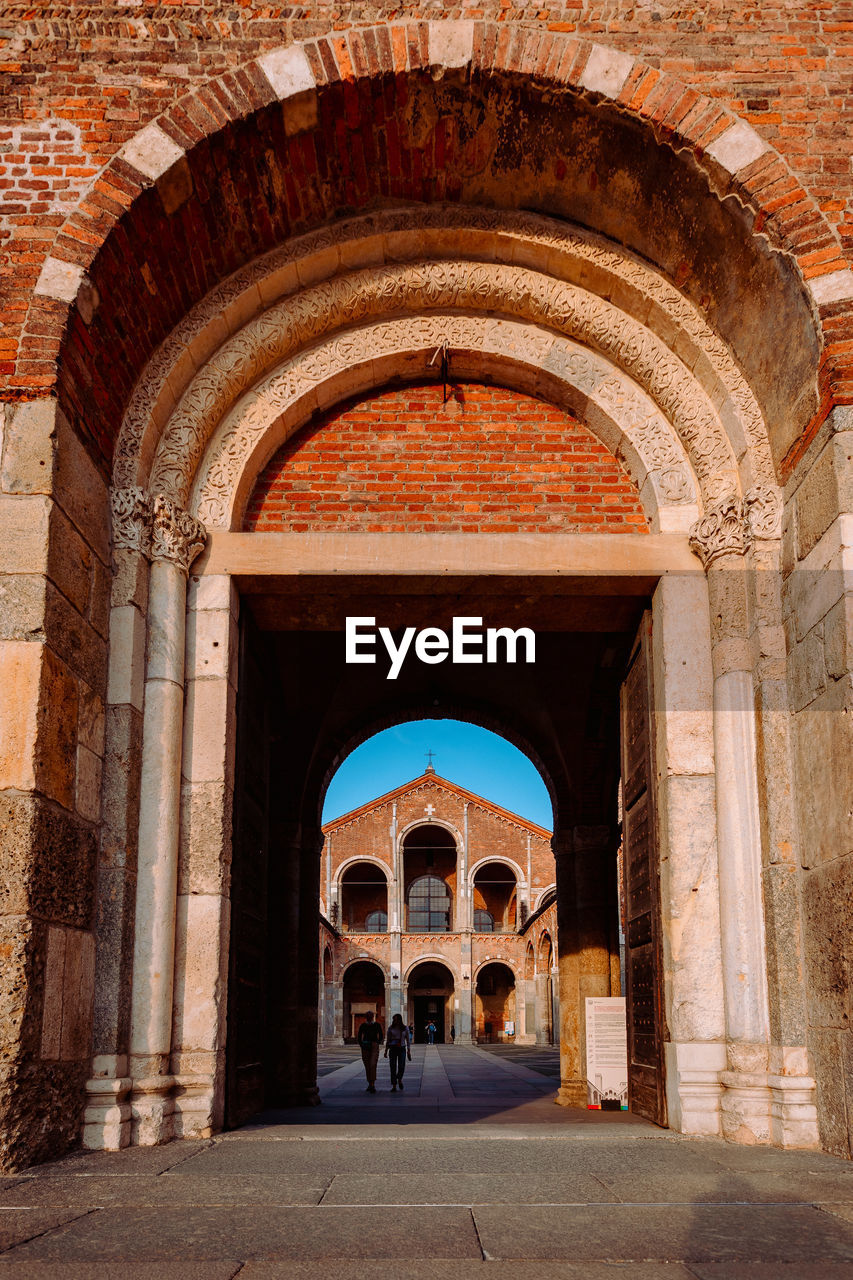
(465, 923)
(107, 1116)
(204, 863)
(177, 539)
(465, 1020)
(689, 873)
(572, 1091)
(754, 1089)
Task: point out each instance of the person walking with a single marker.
(453, 1035)
(431, 1033)
(398, 1046)
(369, 1039)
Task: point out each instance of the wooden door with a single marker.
(641, 863)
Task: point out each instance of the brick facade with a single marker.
(487, 459)
(509, 866)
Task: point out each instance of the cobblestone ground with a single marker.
(471, 1170)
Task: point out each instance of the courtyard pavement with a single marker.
(472, 1170)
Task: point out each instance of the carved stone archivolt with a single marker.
(626, 420)
(686, 387)
(419, 290)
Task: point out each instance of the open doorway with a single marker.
(409, 879)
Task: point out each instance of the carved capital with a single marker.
(764, 512)
(178, 537)
(131, 520)
(722, 531)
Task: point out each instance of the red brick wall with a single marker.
(402, 460)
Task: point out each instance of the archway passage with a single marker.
(496, 1004)
(495, 899)
(431, 1002)
(364, 992)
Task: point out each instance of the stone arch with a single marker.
(374, 960)
(731, 157)
(545, 948)
(520, 877)
(432, 957)
(555, 338)
(430, 822)
(483, 964)
(541, 899)
(356, 858)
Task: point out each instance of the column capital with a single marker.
(723, 530)
(177, 536)
(131, 520)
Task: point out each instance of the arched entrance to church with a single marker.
(616, 302)
(496, 1004)
(430, 1002)
(364, 992)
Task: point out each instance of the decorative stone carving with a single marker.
(410, 232)
(177, 536)
(722, 531)
(131, 520)
(764, 512)
(263, 418)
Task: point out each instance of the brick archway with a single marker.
(735, 163)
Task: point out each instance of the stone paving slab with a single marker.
(249, 1232)
(516, 1157)
(721, 1185)
(466, 1189)
(769, 1270)
(127, 1163)
(167, 1189)
(124, 1270)
(666, 1233)
(416, 1269)
(18, 1225)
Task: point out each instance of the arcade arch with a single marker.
(573, 316)
(430, 1001)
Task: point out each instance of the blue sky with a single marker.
(473, 757)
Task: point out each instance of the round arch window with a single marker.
(484, 922)
(376, 922)
(429, 905)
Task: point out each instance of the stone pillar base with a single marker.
(572, 1093)
(196, 1112)
(745, 1107)
(107, 1118)
(793, 1112)
(152, 1106)
(693, 1089)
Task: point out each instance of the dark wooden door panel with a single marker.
(641, 863)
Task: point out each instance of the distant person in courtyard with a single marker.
(430, 1033)
(369, 1039)
(453, 1035)
(411, 1033)
(398, 1047)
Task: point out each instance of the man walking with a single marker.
(369, 1038)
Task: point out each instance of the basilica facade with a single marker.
(441, 906)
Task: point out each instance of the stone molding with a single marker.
(177, 537)
(722, 531)
(131, 520)
(624, 418)
(566, 254)
(764, 513)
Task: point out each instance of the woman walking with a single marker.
(397, 1042)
